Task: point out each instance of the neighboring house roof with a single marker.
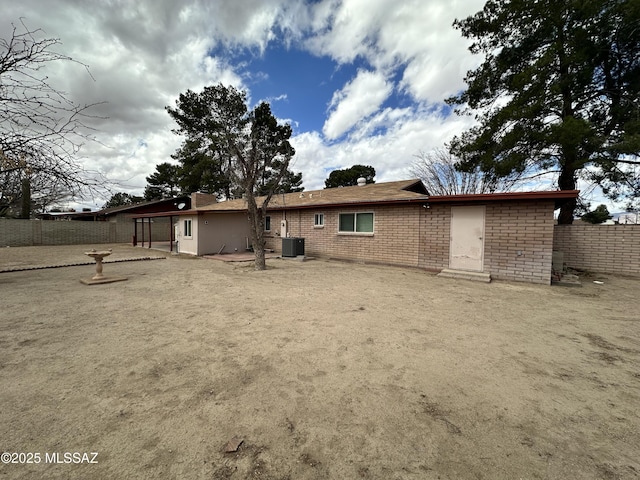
(626, 218)
(67, 215)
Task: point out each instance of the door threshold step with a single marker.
(466, 275)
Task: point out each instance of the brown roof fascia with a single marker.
(505, 196)
(169, 213)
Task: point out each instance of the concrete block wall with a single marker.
(18, 233)
(600, 248)
(70, 233)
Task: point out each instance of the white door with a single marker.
(467, 238)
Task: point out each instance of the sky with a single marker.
(360, 81)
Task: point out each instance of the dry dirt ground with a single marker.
(325, 370)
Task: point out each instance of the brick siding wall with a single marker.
(518, 237)
(510, 228)
(519, 241)
(435, 224)
(395, 240)
(600, 248)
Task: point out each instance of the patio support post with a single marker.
(171, 237)
(149, 232)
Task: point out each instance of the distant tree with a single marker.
(42, 129)
(203, 168)
(437, 170)
(42, 192)
(599, 215)
(558, 90)
(163, 183)
(248, 143)
(291, 182)
(122, 199)
(25, 210)
(348, 177)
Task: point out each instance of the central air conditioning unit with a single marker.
(292, 247)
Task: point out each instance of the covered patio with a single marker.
(145, 235)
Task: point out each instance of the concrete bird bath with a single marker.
(98, 256)
(99, 277)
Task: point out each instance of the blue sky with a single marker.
(298, 85)
(360, 81)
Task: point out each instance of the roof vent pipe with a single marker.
(362, 181)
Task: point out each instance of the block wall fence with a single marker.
(22, 233)
(600, 248)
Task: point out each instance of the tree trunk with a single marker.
(567, 178)
(566, 212)
(260, 262)
(25, 210)
(257, 232)
(567, 181)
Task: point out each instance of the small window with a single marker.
(267, 223)
(356, 223)
(318, 220)
(187, 228)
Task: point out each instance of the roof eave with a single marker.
(168, 213)
(505, 196)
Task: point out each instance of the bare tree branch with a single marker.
(41, 128)
(437, 170)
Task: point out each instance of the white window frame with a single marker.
(188, 228)
(318, 220)
(267, 219)
(355, 223)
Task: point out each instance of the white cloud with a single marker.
(413, 34)
(357, 100)
(390, 153)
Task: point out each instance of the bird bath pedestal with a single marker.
(99, 277)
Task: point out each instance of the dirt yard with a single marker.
(325, 370)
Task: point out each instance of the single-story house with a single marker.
(503, 235)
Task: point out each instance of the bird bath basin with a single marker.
(98, 256)
(99, 277)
